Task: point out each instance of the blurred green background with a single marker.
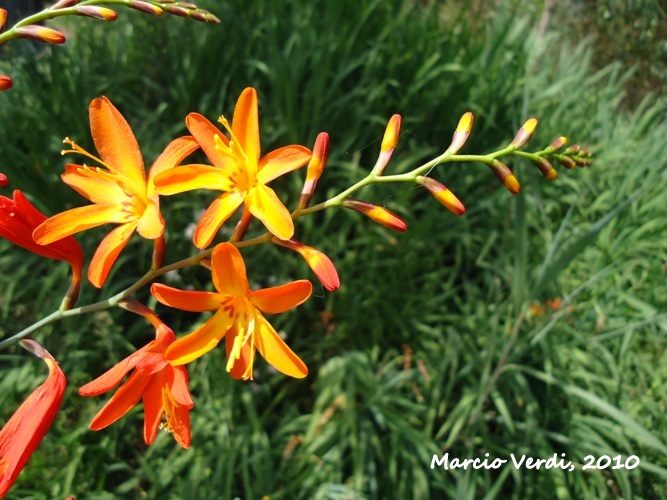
(431, 345)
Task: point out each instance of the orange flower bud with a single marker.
(3, 19)
(23, 432)
(525, 133)
(315, 168)
(318, 262)
(546, 168)
(442, 194)
(381, 215)
(41, 34)
(159, 251)
(392, 133)
(558, 143)
(146, 7)
(101, 13)
(5, 82)
(389, 142)
(505, 176)
(461, 134)
(3, 180)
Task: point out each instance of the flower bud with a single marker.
(176, 10)
(574, 149)
(461, 134)
(558, 143)
(3, 180)
(5, 82)
(442, 194)
(159, 251)
(41, 34)
(381, 215)
(389, 142)
(524, 134)
(210, 18)
(146, 7)
(64, 3)
(101, 13)
(318, 161)
(546, 168)
(566, 161)
(318, 262)
(505, 176)
(3, 19)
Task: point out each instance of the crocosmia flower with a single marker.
(24, 431)
(237, 170)
(162, 387)
(18, 220)
(238, 317)
(120, 192)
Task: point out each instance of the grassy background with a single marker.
(430, 345)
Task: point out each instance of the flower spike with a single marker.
(381, 215)
(442, 194)
(21, 435)
(318, 262)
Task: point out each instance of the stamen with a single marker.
(78, 149)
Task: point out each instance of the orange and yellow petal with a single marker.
(79, 219)
(241, 367)
(122, 401)
(178, 419)
(204, 133)
(112, 377)
(275, 351)
(281, 298)
(107, 253)
(215, 216)
(115, 141)
(229, 271)
(172, 156)
(177, 381)
(95, 184)
(264, 204)
(151, 224)
(201, 341)
(153, 407)
(245, 124)
(191, 177)
(186, 300)
(282, 161)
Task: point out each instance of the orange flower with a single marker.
(27, 427)
(237, 170)
(163, 388)
(238, 317)
(18, 220)
(121, 194)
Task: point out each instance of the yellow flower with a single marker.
(238, 317)
(120, 192)
(237, 170)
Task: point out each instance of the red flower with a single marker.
(27, 427)
(163, 388)
(18, 220)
